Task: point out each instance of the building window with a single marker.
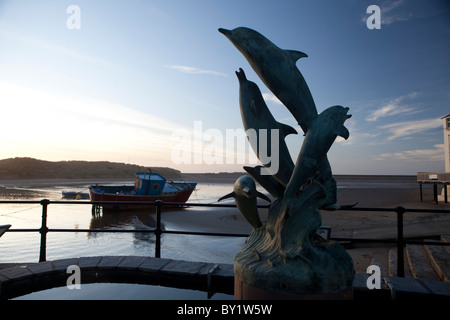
(448, 123)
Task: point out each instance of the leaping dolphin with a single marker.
(277, 69)
(323, 131)
(245, 194)
(257, 117)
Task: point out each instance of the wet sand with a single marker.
(345, 224)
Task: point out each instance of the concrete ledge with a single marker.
(209, 277)
(23, 279)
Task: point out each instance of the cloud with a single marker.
(407, 128)
(420, 155)
(270, 97)
(83, 127)
(387, 18)
(393, 108)
(193, 70)
(54, 48)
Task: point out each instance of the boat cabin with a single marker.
(149, 183)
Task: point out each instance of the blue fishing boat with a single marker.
(148, 187)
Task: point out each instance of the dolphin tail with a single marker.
(230, 195)
(241, 75)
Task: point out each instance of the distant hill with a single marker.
(29, 168)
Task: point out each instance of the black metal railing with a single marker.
(399, 240)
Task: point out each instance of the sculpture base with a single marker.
(244, 291)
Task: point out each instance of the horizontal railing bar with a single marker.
(405, 241)
(188, 204)
(364, 240)
(200, 233)
(102, 230)
(425, 242)
(393, 210)
(197, 233)
(154, 203)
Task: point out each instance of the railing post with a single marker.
(43, 230)
(400, 242)
(158, 230)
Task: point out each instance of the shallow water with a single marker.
(24, 246)
(122, 291)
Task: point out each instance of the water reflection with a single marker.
(118, 220)
(122, 291)
(111, 219)
(24, 247)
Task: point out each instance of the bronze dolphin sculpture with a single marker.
(257, 117)
(322, 133)
(245, 194)
(277, 69)
(268, 182)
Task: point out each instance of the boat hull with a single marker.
(96, 196)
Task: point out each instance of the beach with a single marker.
(366, 191)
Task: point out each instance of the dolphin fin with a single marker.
(286, 130)
(230, 195)
(332, 207)
(295, 55)
(263, 196)
(268, 182)
(343, 132)
(349, 206)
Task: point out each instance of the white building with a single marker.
(442, 178)
(446, 123)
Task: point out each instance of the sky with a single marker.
(153, 82)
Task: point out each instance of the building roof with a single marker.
(446, 116)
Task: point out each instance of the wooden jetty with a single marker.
(442, 178)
